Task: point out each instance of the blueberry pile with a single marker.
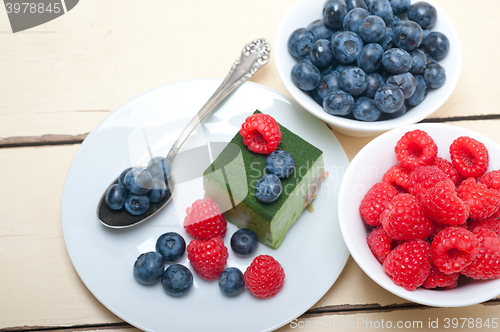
(137, 187)
(363, 60)
(280, 165)
(149, 267)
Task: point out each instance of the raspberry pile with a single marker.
(434, 220)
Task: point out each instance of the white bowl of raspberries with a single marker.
(419, 209)
(368, 66)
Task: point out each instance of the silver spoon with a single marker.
(253, 56)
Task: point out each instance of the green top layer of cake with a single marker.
(304, 154)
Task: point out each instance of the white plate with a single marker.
(313, 253)
(303, 12)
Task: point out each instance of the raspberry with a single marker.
(441, 204)
(448, 169)
(483, 202)
(453, 249)
(491, 223)
(399, 177)
(438, 227)
(375, 202)
(403, 219)
(487, 263)
(261, 133)
(396, 243)
(204, 220)
(264, 277)
(379, 243)
(491, 179)
(424, 178)
(438, 279)
(469, 156)
(416, 148)
(208, 258)
(409, 264)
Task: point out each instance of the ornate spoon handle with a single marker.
(253, 56)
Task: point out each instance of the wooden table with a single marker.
(60, 79)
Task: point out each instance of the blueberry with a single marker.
(389, 98)
(328, 84)
(171, 247)
(280, 163)
(435, 75)
(338, 103)
(396, 21)
(353, 19)
(400, 6)
(341, 68)
(374, 82)
(115, 197)
(314, 94)
(397, 61)
(385, 75)
(426, 32)
(159, 168)
(420, 92)
(335, 35)
(436, 44)
(366, 110)
(406, 82)
(231, 281)
(408, 36)
(351, 4)
(148, 268)
(139, 181)
(346, 47)
(121, 178)
(372, 29)
(177, 280)
(136, 204)
(398, 113)
(300, 42)
(305, 76)
(381, 8)
(387, 42)
(419, 62)
(430, 59)
(329, 69)
(333, 13)
(244, 242)
(353, 81)
(306, 58)
(423, 13)
(319, 29)
(321, 54)
(268, 188)
(370, 58)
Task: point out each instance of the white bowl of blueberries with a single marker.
(368, 66)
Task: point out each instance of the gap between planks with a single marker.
(343, 309)
(44, 140)
(51, 139)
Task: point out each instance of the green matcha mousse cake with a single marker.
(230, 181)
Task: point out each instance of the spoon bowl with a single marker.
(123, 219)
